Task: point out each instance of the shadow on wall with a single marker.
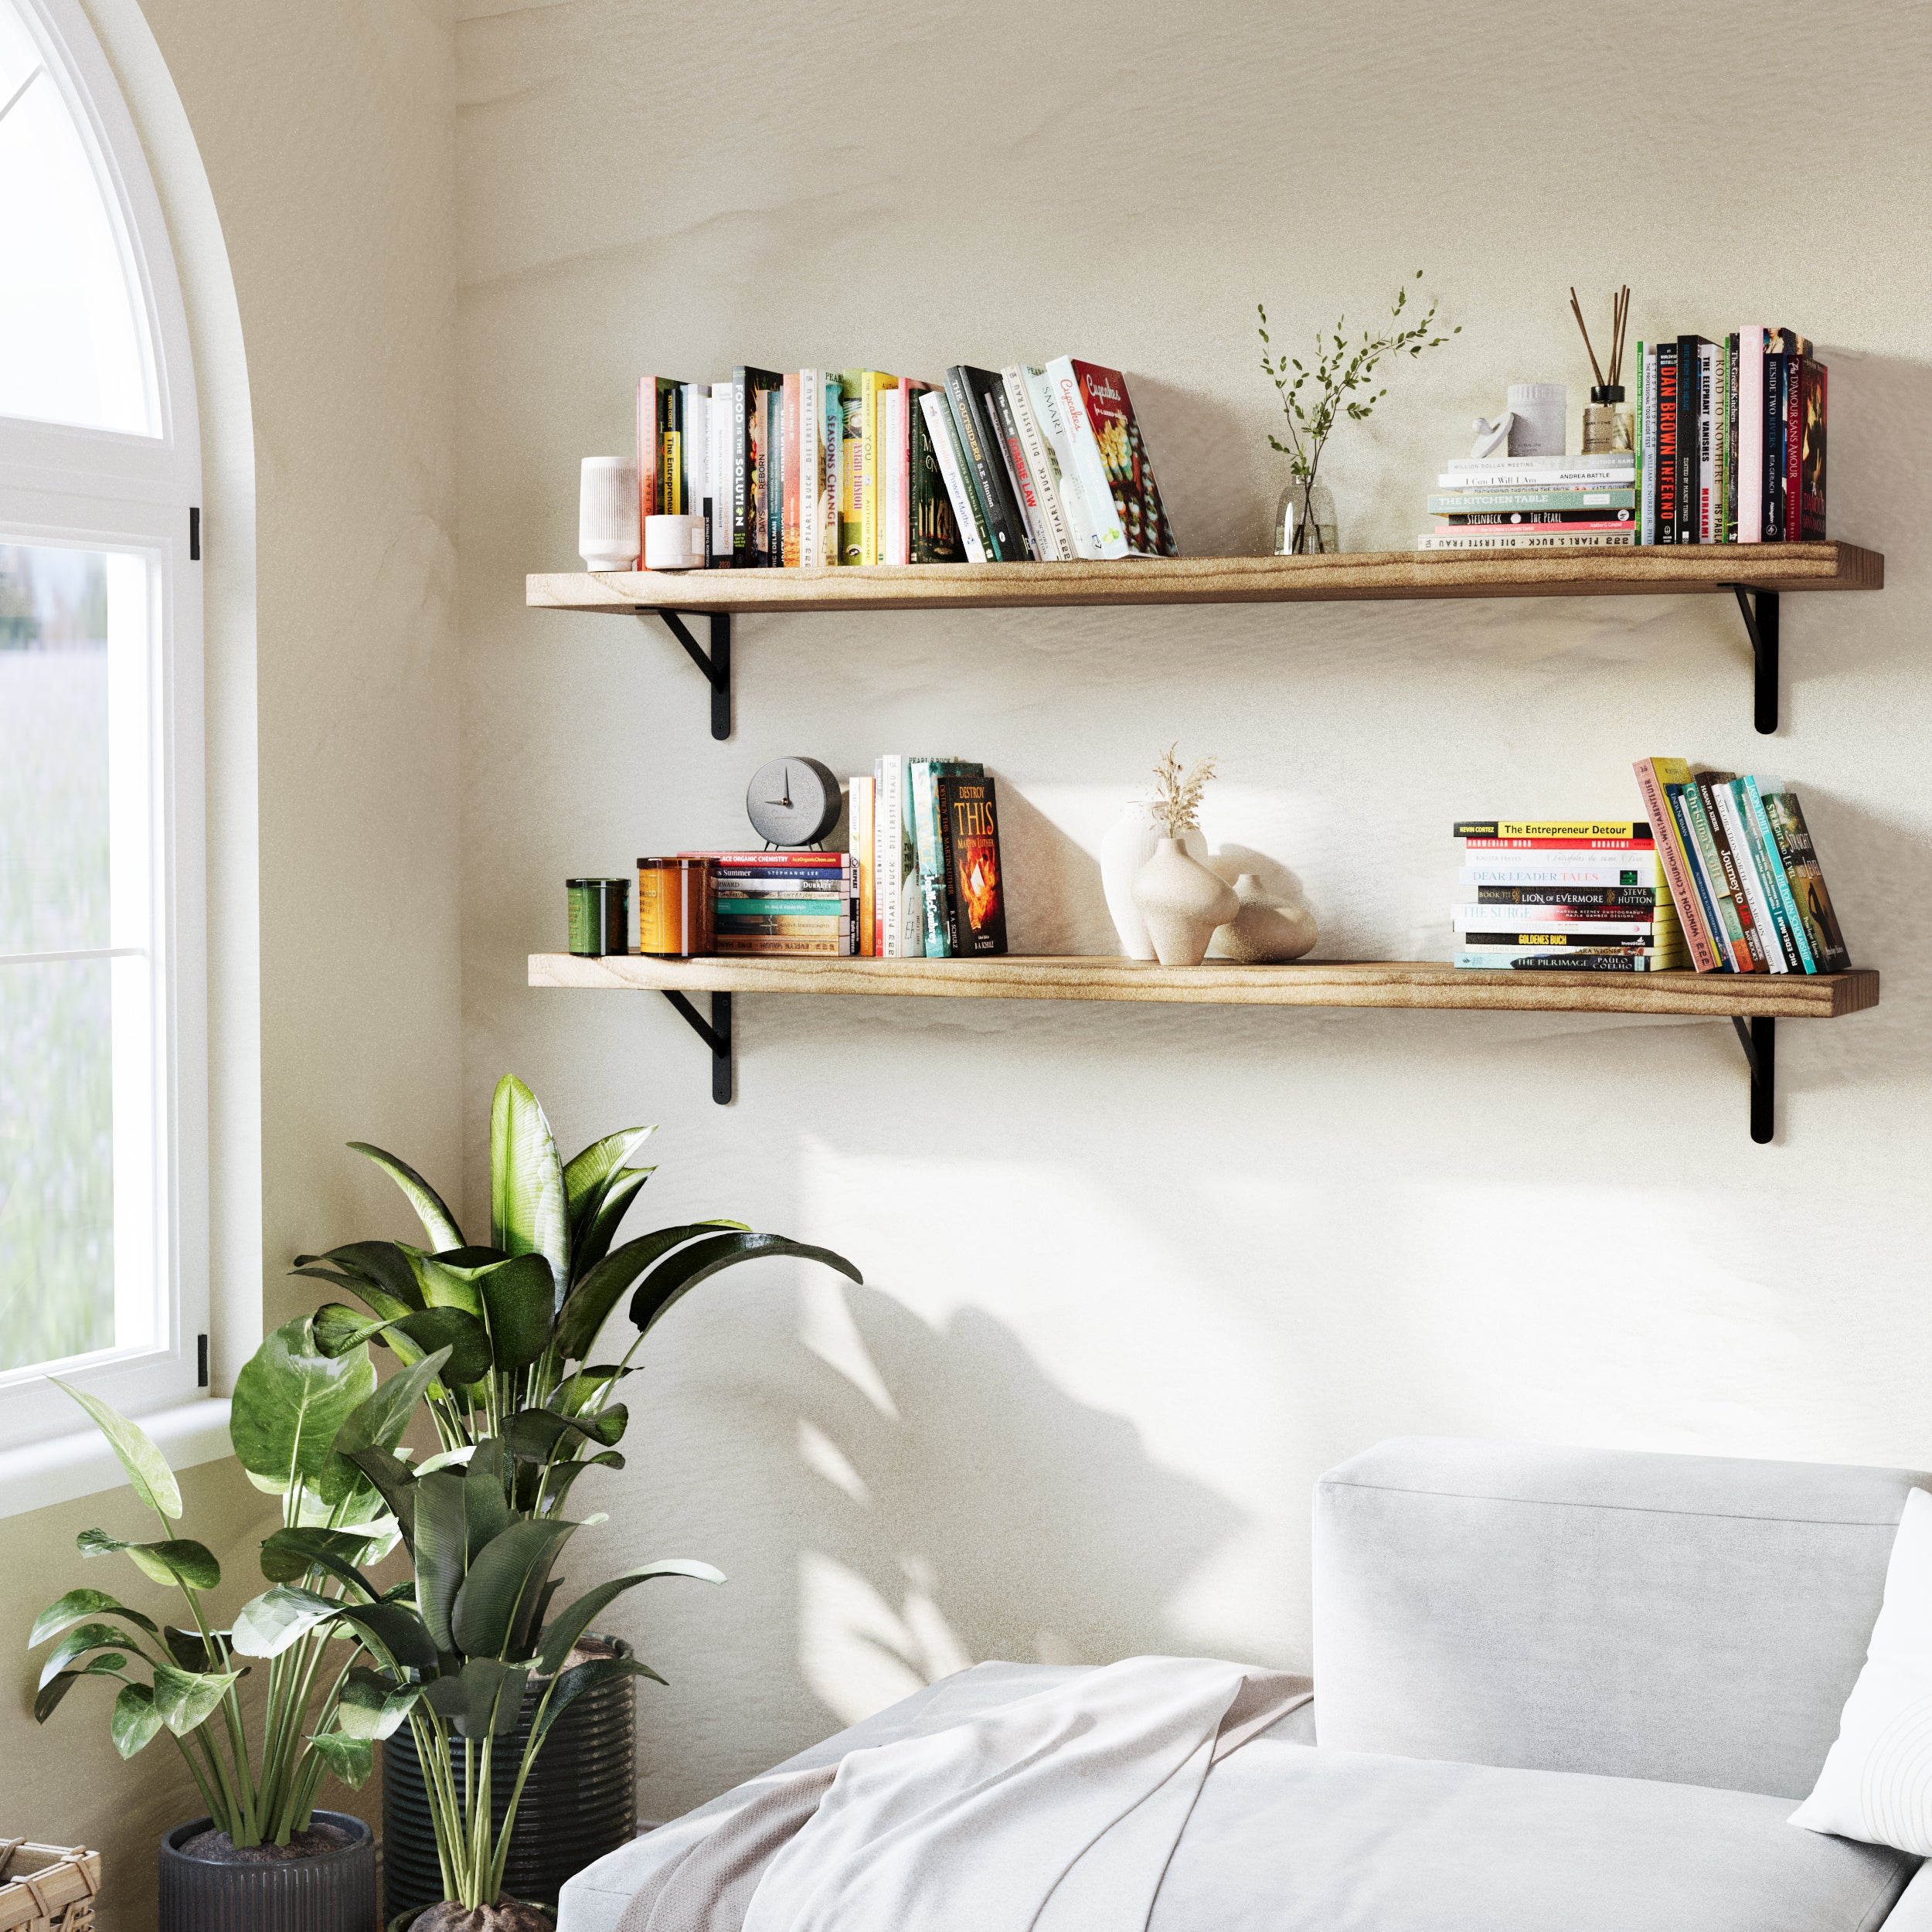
(964, 1507)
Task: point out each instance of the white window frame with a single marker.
(133, 496)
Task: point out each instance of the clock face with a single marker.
(793, 802)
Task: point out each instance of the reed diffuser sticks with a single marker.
(1607, 428)
(1619, 316)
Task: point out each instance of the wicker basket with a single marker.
(47, 1888)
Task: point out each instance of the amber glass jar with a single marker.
(674, 907)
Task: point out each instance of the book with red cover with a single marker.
(969, 815)
(1130, 470)
(1804, 454)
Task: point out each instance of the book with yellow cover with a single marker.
(871, 523)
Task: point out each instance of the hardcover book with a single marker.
(1688, 349)
(1020, 474)
(750, 536)
(935, 530)
(1653, 776)
(969, 519)
(1083, 528)
(928, 837)
(1129, 469)
(1764, 842)
(1041, 463)
(1806, 515)
(1799, 859)
(978, 890)
(1752, 957)
(859, 793)
(967, 390)
(660, 428)
(1663, 506)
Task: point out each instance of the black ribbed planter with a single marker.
(580, 1801)
(332, 1892)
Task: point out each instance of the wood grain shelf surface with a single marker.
(1395, 984)
(1410, 575)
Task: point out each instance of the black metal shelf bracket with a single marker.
(716, 1033)
(1759, 610)
(716, 663)
(1759, 1039)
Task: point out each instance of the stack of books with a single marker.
(1741, 871)
(1564, 893)
(1533, 503)
(780, 903)
(1731, 439)
(813, 468)
(925, 842)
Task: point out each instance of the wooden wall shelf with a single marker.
(1757, 574)
(1753, 1002)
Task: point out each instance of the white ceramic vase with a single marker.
(1183, 903)
(1267, 929)
(1129, 845)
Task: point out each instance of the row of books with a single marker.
(1731, 439)
(783, 903)
(1565, 893)
(1742, 870)
(1533, 503)
(925, 846)
(813, 468)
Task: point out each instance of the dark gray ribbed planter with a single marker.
(332, 1892)
(580, 1802)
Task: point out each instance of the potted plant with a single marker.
(519, 1320)
(264, 1853)
(458, 1654)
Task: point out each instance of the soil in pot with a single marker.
(507, 1915)
(218, 1847)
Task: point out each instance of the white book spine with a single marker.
(1055, 541)
(696, 446)
(1560, 876)
(1505, 539)
(721, 470)
(1754, 893)
(1046, 412)
(1535, 472)
(1110, 539)
(1750, 435)
(1522, 919)
(898, 532)
(1025, 482)
(888, 792)
(939, 427)
(811, 444)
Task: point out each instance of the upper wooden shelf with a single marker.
(1408, 575)
(1372, 983)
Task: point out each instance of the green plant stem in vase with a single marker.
(1338, 382)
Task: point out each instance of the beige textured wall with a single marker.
(1135, 1277)
(326, 134)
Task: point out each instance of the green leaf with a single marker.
(279, 1619)
(338, 1330)
(370, 1707)
(485, 1699)
(529, 1213)
(135, 1721)
(498, 1601)
(463, 1337)
(580, 1677)
(352, 1759)
(394, 1481)
(178, 1560)
(289, 1555)
(586, 1176)
(51, 1694)
(532, 1435)
(187, 1699)
(571, 1624)
(290, 1401)
(445, 1285)
(519, 1299)
(563, 1476)
(589, 1304)
(676, 1276)
(77, 1642)
(378, 1420)
(78, 1604)
(378, 1271)
(576, 1393)
(457, 1516)
(438, 1223)
(590, 1244)
(147, 1467)
(189, 1649)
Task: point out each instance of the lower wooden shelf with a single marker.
(1353, 983)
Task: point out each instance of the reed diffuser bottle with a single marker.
(1607, 423)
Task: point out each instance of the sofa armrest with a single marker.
(1913, 1911)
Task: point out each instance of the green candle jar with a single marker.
(599, 916)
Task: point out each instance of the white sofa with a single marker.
(1557, 1691)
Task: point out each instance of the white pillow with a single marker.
(1877, 1784)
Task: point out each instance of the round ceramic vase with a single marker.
(1183, 903)
(1267, 930)
(332, 1892)
(1129, 845)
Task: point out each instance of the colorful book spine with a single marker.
(811, 456)
(934, 533)
(1529, 939)
(969, 519)
(1082, 529)
(1653, 775)
(1086, 464)
(1767, 913)
(1020, 472)
(1749, 459)
(852, 476)
(1635, 896)
(1688, 347)
(750, 544)
(1753, 958)
(1539, 472)
(1708, 393)
(1536, 961)
(1805, 452)
(1516, 538)
(774, 478)
(936, 922)
(1591, 872)
(861, 792)
(1775, 374)
(1624, 921)
(1799, 857)
(1533, 843)
(1007, 541)
(1646, 413)
(1569, 830)
(969, 815)
(1124, 462)
(1764, 844)
(660, 410)
(1538, 522)
(1447, 502)
(1669, 424)
(1687, 805)
(791, 532)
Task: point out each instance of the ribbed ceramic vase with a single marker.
(1128, 844)
(1267, 930)
(332, 1892)
(1183, 903)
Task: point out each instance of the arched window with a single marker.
(102, 1007)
